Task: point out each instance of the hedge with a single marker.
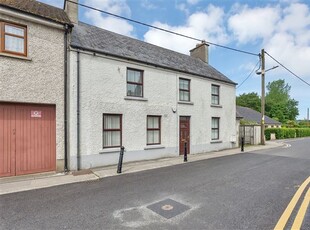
(303, 132)
(284, 133)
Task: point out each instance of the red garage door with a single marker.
(27, 139)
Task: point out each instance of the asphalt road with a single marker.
(244, 191)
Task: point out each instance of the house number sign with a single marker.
(36, 113)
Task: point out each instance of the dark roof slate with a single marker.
(36, 8)
(254, 116)
(95, 39)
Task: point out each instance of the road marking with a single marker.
(302, 211)
(287, 145)
(288, 211)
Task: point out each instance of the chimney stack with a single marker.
(72, 10)
(201, 52)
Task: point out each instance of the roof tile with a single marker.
(39, 9)
(254, 116)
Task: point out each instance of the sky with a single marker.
(281, 27)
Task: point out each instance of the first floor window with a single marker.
(215, 128)
(153, 130)
(13, 38)
(112, 130)
(215, 94)
(134, 83)
(184, 89)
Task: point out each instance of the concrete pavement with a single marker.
(37, 181)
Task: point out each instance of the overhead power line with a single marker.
(248, 75)
(287, 69)
(162, 29)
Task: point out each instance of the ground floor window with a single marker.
(112, 130)
(215, 128)
(153, 130)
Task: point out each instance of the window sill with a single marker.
(186, 102)
(135, 98)
(154, 147)
(110, 150)
(16, 56)
(216, 106)
(216, 141)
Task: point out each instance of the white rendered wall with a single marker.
(39, 78)
(103, 90)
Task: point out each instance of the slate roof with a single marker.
(38, 9)
(95, 39)
(254, 116)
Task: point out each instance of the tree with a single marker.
(279, 105)
(250, 100)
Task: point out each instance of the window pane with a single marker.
(184, 96)
(134, 90)
(153, 122)
(153, 137)
(215, 100)
(215, 134)
(111, 122)
(14, 30)
(215, 89)
(130, 75)
(111, 138)
(215, 123)
(14, 44)
(138, 77)
(184, 84)
(134, 76)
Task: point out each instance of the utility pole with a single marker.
(262, 123)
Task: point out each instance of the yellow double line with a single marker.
(302, 210)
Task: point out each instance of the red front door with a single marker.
(184, 134)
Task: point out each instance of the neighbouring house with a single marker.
(32, 87)
(151, 100)
(251, 129)
(252, 116)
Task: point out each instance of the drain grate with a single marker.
(168, 208)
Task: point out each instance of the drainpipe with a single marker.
(78, 110)
(65, 96)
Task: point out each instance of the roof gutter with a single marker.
(147, 63)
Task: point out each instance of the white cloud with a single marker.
(111, 23)
(113, 6)
(203, 25)
(283, 30)
(248, 24)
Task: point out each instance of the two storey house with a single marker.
(151, 100)
(33, 40)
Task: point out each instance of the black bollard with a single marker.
(120, 160)
(242, 144)
(185, 152)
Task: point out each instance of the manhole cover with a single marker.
(168, 208)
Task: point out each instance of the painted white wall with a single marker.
(103, 90)
(39, 78)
